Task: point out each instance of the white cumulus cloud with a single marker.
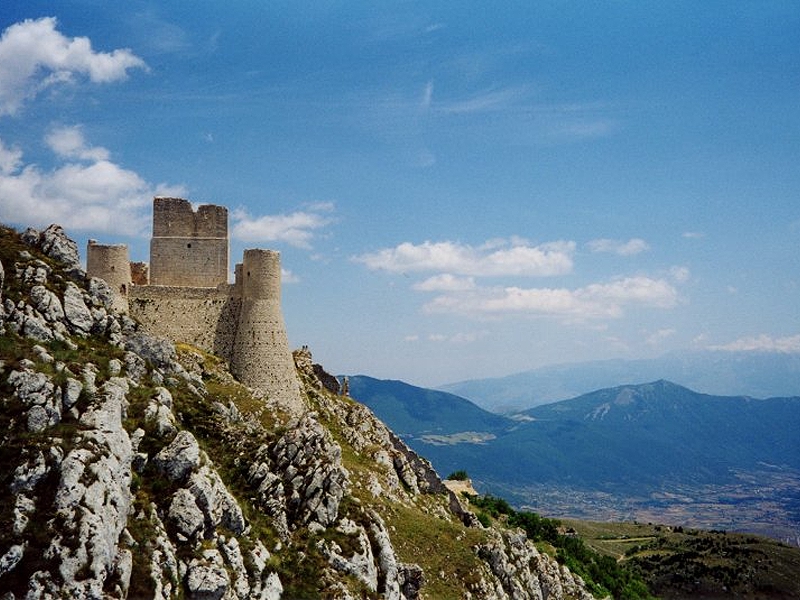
(68, 142)
(518, 258)
(86, 191)
(620, 248)
(296, 229)
(763, 343)
(35, 56)
(599, 300)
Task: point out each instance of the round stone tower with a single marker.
(260, 357)
(110, 262)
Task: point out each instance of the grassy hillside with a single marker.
(688, 563)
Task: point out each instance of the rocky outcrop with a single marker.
(132, 470)
(300, 478)
(523, 572)
(55, 243)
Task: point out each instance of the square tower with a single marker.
(188, 248)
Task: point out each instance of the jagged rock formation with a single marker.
(135, 469)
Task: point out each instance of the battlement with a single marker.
(174, 217)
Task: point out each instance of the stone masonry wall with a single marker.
(204, 317)
(188, 247)
(190, 262)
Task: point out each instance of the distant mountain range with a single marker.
(419, 412)
(630, 441)
(756, 374)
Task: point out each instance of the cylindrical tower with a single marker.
(110, 262)
(261, 275)
(261, 358)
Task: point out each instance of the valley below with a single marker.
(765, 502)
(649, 453)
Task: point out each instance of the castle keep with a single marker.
(187, 297)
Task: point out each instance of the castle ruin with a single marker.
(187, 298)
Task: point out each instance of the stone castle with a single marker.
(184, 295)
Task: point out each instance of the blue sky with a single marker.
(457, 189)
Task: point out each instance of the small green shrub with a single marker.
(484, 519)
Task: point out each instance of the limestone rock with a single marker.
(72, 391)
(47, 303)
(185, 515)
(523, 572)
(10, 559)
(158, 413)
(34, 326)
(55, 243)
(312, 473)
(101, 293)
(37, 392)
(75, 310)
(219, 507)
(160, 352)
(361, 563)
(135, 366)
(33, 272)
(272, 589)
(207, 578)
(180, 457)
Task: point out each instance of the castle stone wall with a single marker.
(190, 262)
(188, 247)
(140, 273)
(204, 317)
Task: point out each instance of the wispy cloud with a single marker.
(515, 258)
(620, 248)
(485, 100)
(445, 283)
(763, 343)
(680, 274)
(465, 337)
(655, 338)
(86, 191)
(427, 96)
(34, 57)
(296, 229)
(598, 300)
